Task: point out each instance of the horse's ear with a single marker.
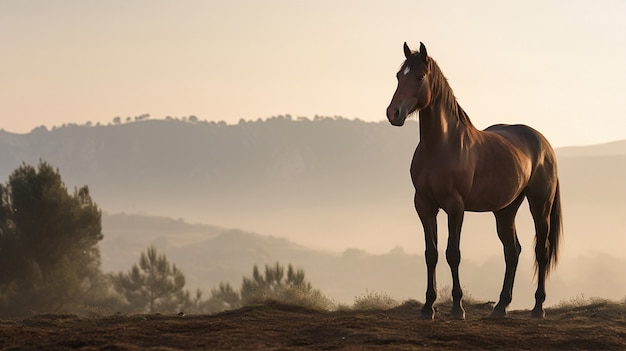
(407, 51)
(423, 52)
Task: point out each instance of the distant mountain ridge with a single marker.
(298, 178)
(324, 189)
(209, 172)
(213, 156)
(211, 159)
(614, 148)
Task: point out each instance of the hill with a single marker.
(597, 326)
(312, 181)
(256, 175)
(209, 255)
(615, 148)
(335, 193)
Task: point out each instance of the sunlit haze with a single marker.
(555, 65)
(327, 189)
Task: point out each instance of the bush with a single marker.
(272, 285)
(300, 296)
(374, 301)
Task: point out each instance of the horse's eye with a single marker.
(421, 78)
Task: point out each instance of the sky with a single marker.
(555, 65)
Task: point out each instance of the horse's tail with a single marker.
(556, 230)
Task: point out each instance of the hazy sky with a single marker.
(556, 65)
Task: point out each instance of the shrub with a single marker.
(374, 301)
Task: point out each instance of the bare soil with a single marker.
(275, 326)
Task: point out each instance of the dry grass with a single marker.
(589, 307)
(374, 301)
(297, 296)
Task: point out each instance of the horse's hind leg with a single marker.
(505, 222)
(540, 210)
(541, 195)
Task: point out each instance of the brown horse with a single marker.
(459, 168)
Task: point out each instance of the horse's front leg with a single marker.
(453, 256)
(429, 222)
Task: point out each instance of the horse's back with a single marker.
(526, 138)
(517, 133)
(534, 145)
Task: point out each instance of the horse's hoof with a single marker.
(539, 314)
(457, 314)
(498, 313)
(428, 314)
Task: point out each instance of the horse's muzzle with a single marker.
(397, 112)
(396, 115)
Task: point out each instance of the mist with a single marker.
(329, 195)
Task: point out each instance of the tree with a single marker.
(223, 298)
(142, 117)
(49, 258)
(154, 282)
(271, 284)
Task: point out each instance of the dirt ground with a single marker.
(275, 326)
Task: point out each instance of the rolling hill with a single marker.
(330, 195)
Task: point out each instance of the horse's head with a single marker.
(413, 92)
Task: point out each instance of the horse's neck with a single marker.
(444, 123)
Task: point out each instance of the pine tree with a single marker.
(49, 258)
(154, 281)
(222, 298)
(272, 283)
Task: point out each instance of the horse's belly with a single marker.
(491, 200)
(489, 184)
(485, 207)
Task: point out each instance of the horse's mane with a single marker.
(442, 90)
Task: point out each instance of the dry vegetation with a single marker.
(578, 324)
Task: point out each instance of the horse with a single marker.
(457, 167)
